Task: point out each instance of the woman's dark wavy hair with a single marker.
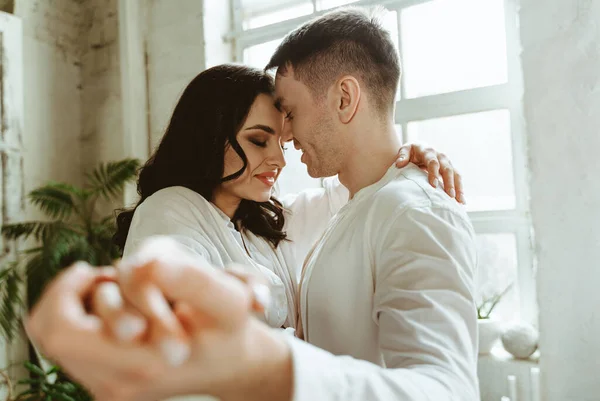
(191, 154)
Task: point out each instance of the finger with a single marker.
(66, 295)
(182, 276)
(79, 279)
(122, 321)
(192, 320)
(187, 317)
(426, 159)
(165, 329)
(65, 331)
(448, 177)
(447, 174)
(257, 284)
(433, 168)
(418, 154)
(403, 156)
(459, 188)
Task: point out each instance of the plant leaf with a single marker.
(25, 230)
(58, 252)
(52, 370)
(67, 387)
(28, 381)
(35, 369)
(77, 249)
(10, 301)
(109, 179)
(108, 221)
(38, 272)
(40, 230)
(53, 200)
(79, 193)
(60, 396)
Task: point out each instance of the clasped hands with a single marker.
(161, 323)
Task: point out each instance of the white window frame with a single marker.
(503, 96)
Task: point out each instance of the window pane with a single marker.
(479, 146)
(399, 132)
(258, 56)
(325, 4)
(257, 13)
(294, 177)
(453, 45)
(496, 270)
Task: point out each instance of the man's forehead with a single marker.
(286, 89)
(281, 90)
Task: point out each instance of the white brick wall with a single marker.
(51, 104)
(52, 94)
(561, 64)
(101, 81)
(175, 56)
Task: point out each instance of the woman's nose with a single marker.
(277, 157)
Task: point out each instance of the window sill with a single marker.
(494, 368)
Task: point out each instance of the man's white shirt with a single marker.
(388, 293)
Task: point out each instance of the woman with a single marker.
(209, 186)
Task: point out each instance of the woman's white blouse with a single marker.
(205, 230)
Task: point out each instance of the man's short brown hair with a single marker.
(345, 41)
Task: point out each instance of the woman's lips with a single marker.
(267, 178)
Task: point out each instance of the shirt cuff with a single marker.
(314, 372)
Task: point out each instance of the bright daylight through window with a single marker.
(460, 93)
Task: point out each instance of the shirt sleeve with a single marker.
(309, 212)
(423, 304)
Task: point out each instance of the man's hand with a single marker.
(437, 165)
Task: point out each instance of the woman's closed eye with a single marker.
(263, 144)
(260, 144)
(289, 116)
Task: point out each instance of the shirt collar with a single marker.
(226, 219)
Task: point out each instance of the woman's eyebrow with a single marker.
(262, 127)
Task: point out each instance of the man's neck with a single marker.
(370, 159)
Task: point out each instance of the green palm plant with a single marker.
(46, 385)
(73, 232)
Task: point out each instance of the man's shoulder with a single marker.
(410, 189)
(410, 186)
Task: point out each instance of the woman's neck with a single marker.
(227, 203)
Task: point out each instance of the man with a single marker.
(386, 305)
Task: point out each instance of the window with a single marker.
(460, 93)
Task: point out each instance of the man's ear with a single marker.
(348, 92)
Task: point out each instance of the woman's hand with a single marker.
(437, 165)
(64, 330)
(191, 329)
